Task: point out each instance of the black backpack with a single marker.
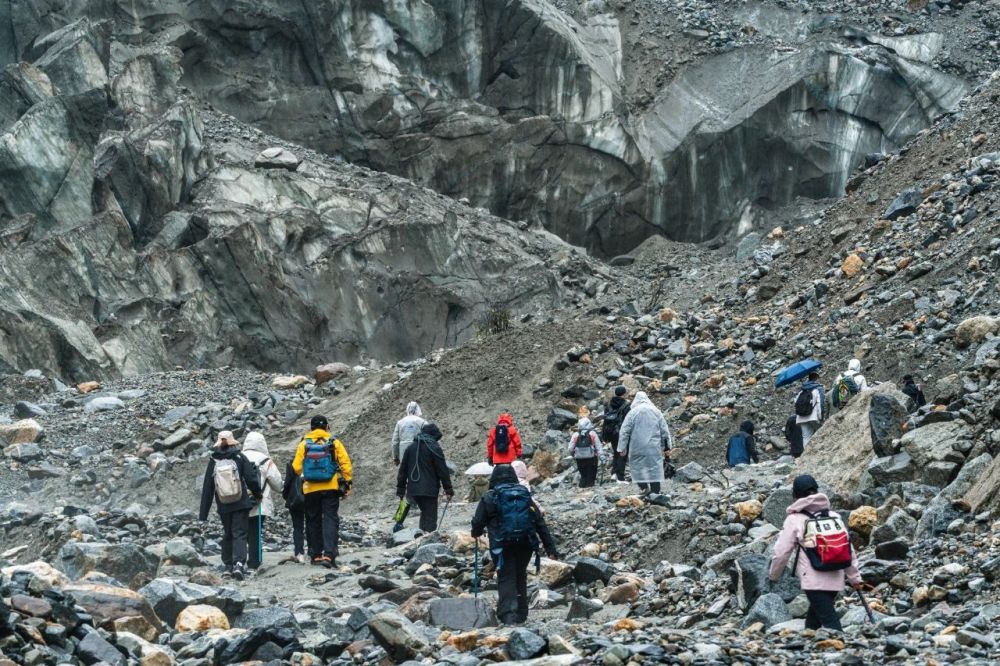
(613, 419)
(804, 403)
(501, 440)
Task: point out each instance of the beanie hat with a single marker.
(318, 423)
(804, 486)
(620, 391)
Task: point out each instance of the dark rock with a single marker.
(560, 419)
(892, 469)
(127, 562)
(462, 614)
(377, 584)
(897, 549)
(242, 648)
(775, 505)
(876, 572)
(93, 649)
(904, 204)
(749, 578)
(169, 597)
(770, 609)
(27, 410)
(276, 617)
(886, 417)
(398, 636)
(590, 569)
(581, 608)
(690, 473)
(525, 644)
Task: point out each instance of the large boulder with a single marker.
(975, 329)
(892, 469)
(398, 636)
(768, 609)
(462, 614)
(200, 618)
(839, 453)
(749, 578)
(25, 431)
(169, 597)
(130, 563)
(107, 603)
(937, 442)
(886, 416)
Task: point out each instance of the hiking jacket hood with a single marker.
(255, 449)
(513, 440)
(788, 543)
(423, 471)
(407, 428)
(340, 455)
(644, 437)
(248, 476)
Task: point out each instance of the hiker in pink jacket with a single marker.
(820, 587)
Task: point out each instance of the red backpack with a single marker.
(826, 542)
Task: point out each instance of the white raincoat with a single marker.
(255, 449)
(644, 435)
(407, 428)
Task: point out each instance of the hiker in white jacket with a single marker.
(255, 450)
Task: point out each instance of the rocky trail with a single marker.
(217, 218)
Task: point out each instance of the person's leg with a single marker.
(581, 470)
(589, 477)
(507, 586)
(314, 524)
(227, 540)
(298, 531)
(808, 430)
(524, 557)
(428, 513)
(643, 486)
(240, 523)
(254, 543)
(823, 610)
(331, 523)
(619, 463)
(654, 487)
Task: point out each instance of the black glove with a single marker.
(345, 486)
(450, 493)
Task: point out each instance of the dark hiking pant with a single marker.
(255, 545)
(588, 471)
(821, 610)
(298, 531)
(323, 522)
(618, 463)
(653, 487)
(428, 512)
(234, 537)
(512, 584)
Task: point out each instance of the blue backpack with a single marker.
(517, 518)
(737, 452)
(319, 465)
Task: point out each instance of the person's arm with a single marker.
(666, 438)
(286, 487)
(251, 477)
(207, 491)
(441, 468)
(625, 433)
(598, 449)
(343, 462)
(395, 444)
(783, 548)
(300, 456)
(481, 519)
(273, 476)
(572, 442)
(515, 441)
(401, 475)
(543, 533)
(752, 448)
(489, 445)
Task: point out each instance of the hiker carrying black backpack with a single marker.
(516, 530)
(611, 427)
(742, 447)
(295, 502)
(234, 483)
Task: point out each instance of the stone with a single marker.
(886, 416)
(288, 382)
(23, 453)
(276, 158)
(863, 520)
(107, 603)
(892, 469)
(397, 636)
(26, 431)
(177, 438)
(169, 597)
(555, 573)
(852, 265)
(126, 562)
(330, 371)
(904, 204)
(44, 572)
(136, 624)
(182, 552)
(775, 505)
(88, 387)
(975, 330)
(525, 644)
(749, 511)
(689, 473)
(937, 442)
(105, 403)
(93, 649)
(277, 617)
(590, 569)
(462, 614)
(27, 410)
(768, 609)
(32, 606)
(622, 594)
(201, 618)
(582, 608)
(560, 419)
(749, 576)
(896, 549)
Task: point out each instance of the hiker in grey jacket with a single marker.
(407, 428)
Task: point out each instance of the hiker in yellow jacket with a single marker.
(322, 462)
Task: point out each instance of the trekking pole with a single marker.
(444, 513)
(864, 602)
(260, 537)
(475, 570)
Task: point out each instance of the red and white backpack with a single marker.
(826, 542)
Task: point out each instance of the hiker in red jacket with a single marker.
(504, 444)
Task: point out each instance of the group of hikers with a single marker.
(242, 480)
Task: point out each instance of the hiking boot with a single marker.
(300, 558)
(319, 561)
(239, 571)
(333, 563)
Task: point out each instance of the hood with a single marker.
(522, 473)
(226, 453)
(432, 431)
(747, 427)
(641, 399)
(812, 504)
(502, 475)
(809, 386)
(854, 365)
(318, 433)
(616, 402)
(256, 442)
(505, 419)
(413, 409)
(585, 424)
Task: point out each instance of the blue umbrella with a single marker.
(796, 371)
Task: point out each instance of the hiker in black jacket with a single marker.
(423, 472)
(614, 415)
(233, 510)
(911, 389)
(295, 502)
(512, 559)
